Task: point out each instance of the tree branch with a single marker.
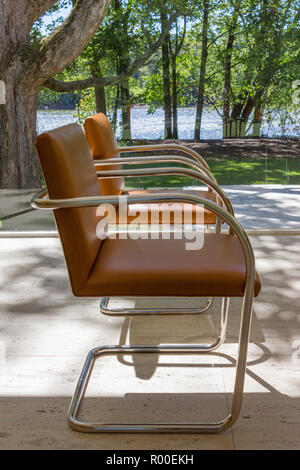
(215, 107)
(67, 42)
(64, 87)
(39, 7)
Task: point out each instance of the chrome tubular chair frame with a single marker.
(133, 173)
(39, 201)
(162, 147)
(104, 309)
(156, 159)
(212, 184)
(125, 312)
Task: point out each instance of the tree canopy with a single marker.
(238, 57)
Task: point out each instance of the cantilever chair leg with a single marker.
(220, 426)
(123, 312)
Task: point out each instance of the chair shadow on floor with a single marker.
(203, 372)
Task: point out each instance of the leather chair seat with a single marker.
(103, 145)
(143, 210)
(148, 267)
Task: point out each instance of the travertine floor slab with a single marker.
(46, 333)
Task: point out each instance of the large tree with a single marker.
(131, 34)
(259, 48)
(25, 64)
(202, 75)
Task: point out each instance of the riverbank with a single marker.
(236, 161)
(238, 148)
(267, 164)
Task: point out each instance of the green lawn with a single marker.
(228, 171)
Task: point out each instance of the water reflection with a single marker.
(229, 164)
(151, 126)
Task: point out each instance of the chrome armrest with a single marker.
(222, 197)
(39, 201)
(155, 159)
(134, 173)
(182, 148)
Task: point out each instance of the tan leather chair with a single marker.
(224, 267)
(106, 155)
(104, 146)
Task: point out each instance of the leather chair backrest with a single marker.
(69, 172)
(103, 144)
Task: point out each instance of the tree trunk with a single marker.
(115, 109)
(174, 98)
(234, 128)
(257, 120)
(24, 67)
(123, 62)
(166, 78)
(173, 52)
(19, 166)
(99, 91)
(226, 90)
(201, 88)
(229, 127)
(125, 111)
(100, 99)
(236, 125)
(167, 88)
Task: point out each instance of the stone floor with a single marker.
(260, 207)
(46, 333)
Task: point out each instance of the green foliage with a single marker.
(50, 99)
(86, 105)
(265, 58)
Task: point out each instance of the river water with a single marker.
(151, 126)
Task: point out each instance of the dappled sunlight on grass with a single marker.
(231, 171)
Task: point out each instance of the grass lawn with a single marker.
(230, 171)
